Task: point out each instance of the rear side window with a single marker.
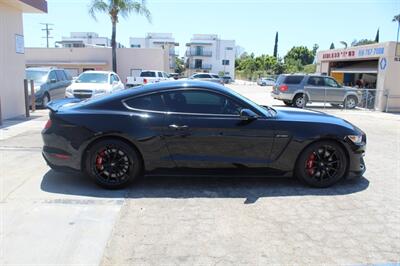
(60, 75)
(316, 81)
(148, 74)
(295, 79)
(152, 102)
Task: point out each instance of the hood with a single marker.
(307, 115)
(89, 86)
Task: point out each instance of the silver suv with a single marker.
(298, 90)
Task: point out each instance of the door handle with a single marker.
(176, 127)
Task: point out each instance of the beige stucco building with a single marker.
(12, 54)
(376, 65)
(78, 60)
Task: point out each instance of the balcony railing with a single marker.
(195, 52)
(203, 66)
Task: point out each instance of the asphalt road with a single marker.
(52, 218)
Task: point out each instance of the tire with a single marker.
(113, 164)
(350, 102)
(288, 103)
(322, 164)
(46, 100)
(300, 100)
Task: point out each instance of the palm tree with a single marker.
(114, 8)
(344, 44)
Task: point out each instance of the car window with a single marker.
(116, 78)
(89, 77)
(293, 79)
(215, 76)
(148, 74)
(36, 76)
(152, 102)
(331, 83)
(200, 102)
(60, 75)
(316, 81)
(160, 75)
(165, 75)
(52, 75)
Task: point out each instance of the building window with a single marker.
(229, 48)
(225, 62)
(135, 45)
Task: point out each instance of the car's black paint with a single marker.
(186, 143)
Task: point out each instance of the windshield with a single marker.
(36, 76)
(92, 78)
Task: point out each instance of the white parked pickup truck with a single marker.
(147, 77)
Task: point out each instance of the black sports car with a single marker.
(197, 128)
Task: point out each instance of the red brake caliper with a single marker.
(310, 163)
(99, 160)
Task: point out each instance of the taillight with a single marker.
(283, 88)
(144, 81)
(48, 124)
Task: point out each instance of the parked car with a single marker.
(207, 77)
(227, 79)
(49, 83)
(147, 77)
(190, 127)
(266, 81)
(94, 83)
(298, 90)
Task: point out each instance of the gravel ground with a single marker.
(255, 221)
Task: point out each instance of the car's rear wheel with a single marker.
(288, 103)
(350, 102)
(322, 164)
(300, 100)
(113, 164)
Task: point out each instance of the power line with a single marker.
(47, 32)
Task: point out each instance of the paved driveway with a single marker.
(52, 218)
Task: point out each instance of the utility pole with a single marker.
(47, 30)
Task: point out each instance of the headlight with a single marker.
(356, 139)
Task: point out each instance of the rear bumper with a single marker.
(282, 96)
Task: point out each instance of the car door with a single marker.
(204, 131)
(62, 83)
(334, 92)
(52, 85)
(315, 88)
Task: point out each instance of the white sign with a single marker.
(19, 44)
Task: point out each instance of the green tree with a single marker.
(344, 44)
(179, 65)
(114, 8)
(301, 54)
(332, 46)
(377, 36)
(397, 19)
(276, 46)
(362, 42)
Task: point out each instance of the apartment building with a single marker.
(12, 54)
(209, 53)
(158, 40)
(85, 39)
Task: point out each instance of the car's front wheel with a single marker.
(113, 164)
(350, 102)
(322, 164)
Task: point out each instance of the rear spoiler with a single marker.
(55, 105)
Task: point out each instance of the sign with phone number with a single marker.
(354, 53)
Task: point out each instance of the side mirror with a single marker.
(248, 115)
(53, 80)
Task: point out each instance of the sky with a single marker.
(251, 23)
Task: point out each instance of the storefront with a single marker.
(373, 68)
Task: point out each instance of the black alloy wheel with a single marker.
(322, 164)
(113, 164)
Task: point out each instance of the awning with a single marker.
(363, 67)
